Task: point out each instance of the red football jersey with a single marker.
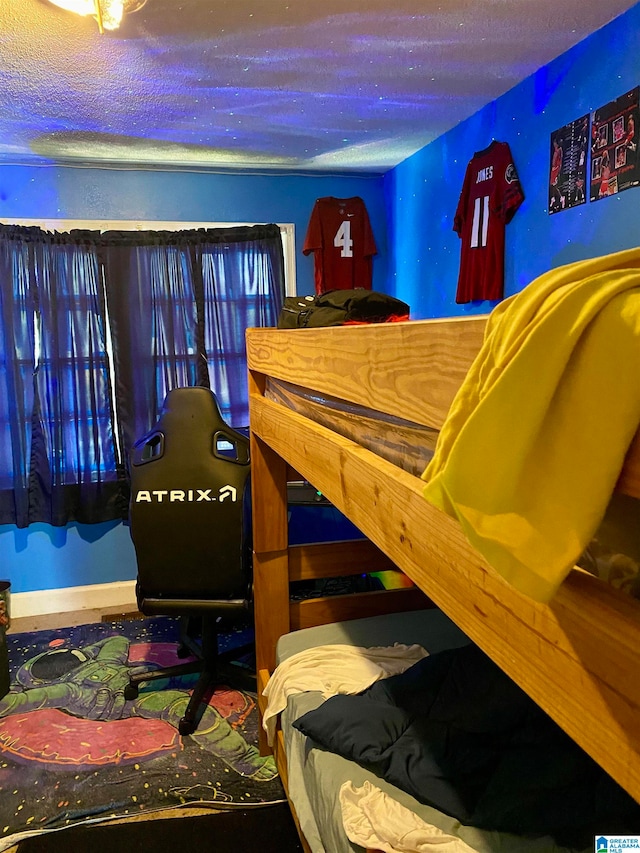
(340, 236)
(491, 194)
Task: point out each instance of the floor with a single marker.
(67, 620)
(86, 617)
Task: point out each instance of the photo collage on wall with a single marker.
(614, 141)
(567, 177)
(614, 163)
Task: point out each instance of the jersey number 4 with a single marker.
(480, 225)
(343, 240)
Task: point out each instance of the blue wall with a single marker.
(45, 557)
(55, 192)
(422, 193)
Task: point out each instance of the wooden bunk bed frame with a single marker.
(578, 657)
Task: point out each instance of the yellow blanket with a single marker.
(536, 436)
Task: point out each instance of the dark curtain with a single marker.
(58, 401)
(154, 302)
(17, 371)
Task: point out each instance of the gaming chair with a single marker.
(190, 528)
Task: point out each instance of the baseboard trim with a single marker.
(91, 597)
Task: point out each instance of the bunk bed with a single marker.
(577, 656)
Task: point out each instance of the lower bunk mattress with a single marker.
(316, 774)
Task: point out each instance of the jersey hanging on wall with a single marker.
(340, 236)
(491, 194)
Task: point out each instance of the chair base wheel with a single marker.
(131, 691)
(186, 727)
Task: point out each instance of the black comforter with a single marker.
(456, 733)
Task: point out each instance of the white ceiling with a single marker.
(280, 84)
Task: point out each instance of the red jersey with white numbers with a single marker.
(339, 235)
(491, 194)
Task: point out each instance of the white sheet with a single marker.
(376, 821)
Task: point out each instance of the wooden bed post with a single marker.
(270, 551)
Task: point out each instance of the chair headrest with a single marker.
(191, 424)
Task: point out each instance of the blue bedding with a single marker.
(457, 734)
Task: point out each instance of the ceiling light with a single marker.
(108, 13)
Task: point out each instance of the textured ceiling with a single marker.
(279, 84)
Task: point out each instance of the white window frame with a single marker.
(287, 232)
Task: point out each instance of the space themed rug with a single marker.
(74, 750)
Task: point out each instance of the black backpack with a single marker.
(340, 307)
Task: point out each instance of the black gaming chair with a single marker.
(189, 525)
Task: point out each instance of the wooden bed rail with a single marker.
(390, 378)
(392, 368)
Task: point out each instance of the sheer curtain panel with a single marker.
(55, 369)
(243, 283)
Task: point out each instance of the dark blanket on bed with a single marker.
(457, 734)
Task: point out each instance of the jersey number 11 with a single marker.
(480, 225)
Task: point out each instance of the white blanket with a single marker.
(376, 821)
(333, 669)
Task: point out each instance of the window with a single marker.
(96, 327)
